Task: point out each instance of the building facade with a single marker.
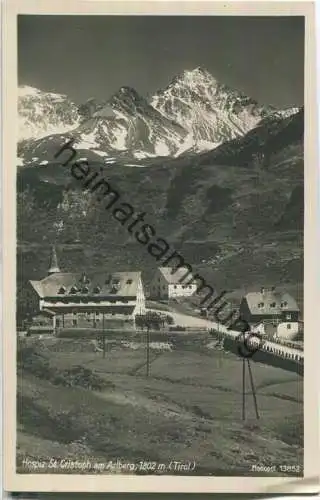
(89, 300)
(286, 330)
(170, 283)
(274, 314)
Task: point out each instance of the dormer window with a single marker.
(85, 289)
(62, 290)
(84, 279)
(260, 305)
(97, 289)
(74, 290)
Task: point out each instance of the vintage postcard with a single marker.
(160, 177)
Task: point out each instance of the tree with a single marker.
(169, 319)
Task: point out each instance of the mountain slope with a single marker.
(193, 113)
(210, 111)
(126, 125)
(271, 135)
(128, 122)
(43, 113)
(237, 221)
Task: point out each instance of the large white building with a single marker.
(80, 299)
(169, 282)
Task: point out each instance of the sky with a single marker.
(93, 56)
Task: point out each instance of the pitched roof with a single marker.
(175, 275)
(47, 311)
(124, 284)
(270, 302)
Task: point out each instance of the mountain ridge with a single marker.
(193, 113)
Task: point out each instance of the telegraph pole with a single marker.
(103, 338)
(253, 390)
(148, 350)
(243, 389)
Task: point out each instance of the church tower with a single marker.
(54, 268)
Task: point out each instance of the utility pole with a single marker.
(243, 389)
(148, 350)
(253, 390)
(103, 338)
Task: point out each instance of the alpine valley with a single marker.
(218, 175)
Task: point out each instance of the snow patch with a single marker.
(133, 165)
(161, 148)
(120, 137)
(19, 161)
(140, 155)
(100, 153)
(88, 141)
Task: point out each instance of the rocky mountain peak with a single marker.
(42, 113)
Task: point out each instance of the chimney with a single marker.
(54, 268)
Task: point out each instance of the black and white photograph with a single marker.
(160, 208)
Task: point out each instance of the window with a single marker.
(62, 290)
(273, 304)
(129, 282)
(289, 326)
(284, 304)
(260, 305)
(175, 286)
(74, 322)
(57, 322)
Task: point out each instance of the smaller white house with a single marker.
(286, 330)
(169, 282)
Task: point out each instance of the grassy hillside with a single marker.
(189, 407)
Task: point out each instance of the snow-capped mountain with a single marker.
(260, 144)
(211, 112)
(195, 113)
(124, 126)
(127, 122)
(43, 113)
